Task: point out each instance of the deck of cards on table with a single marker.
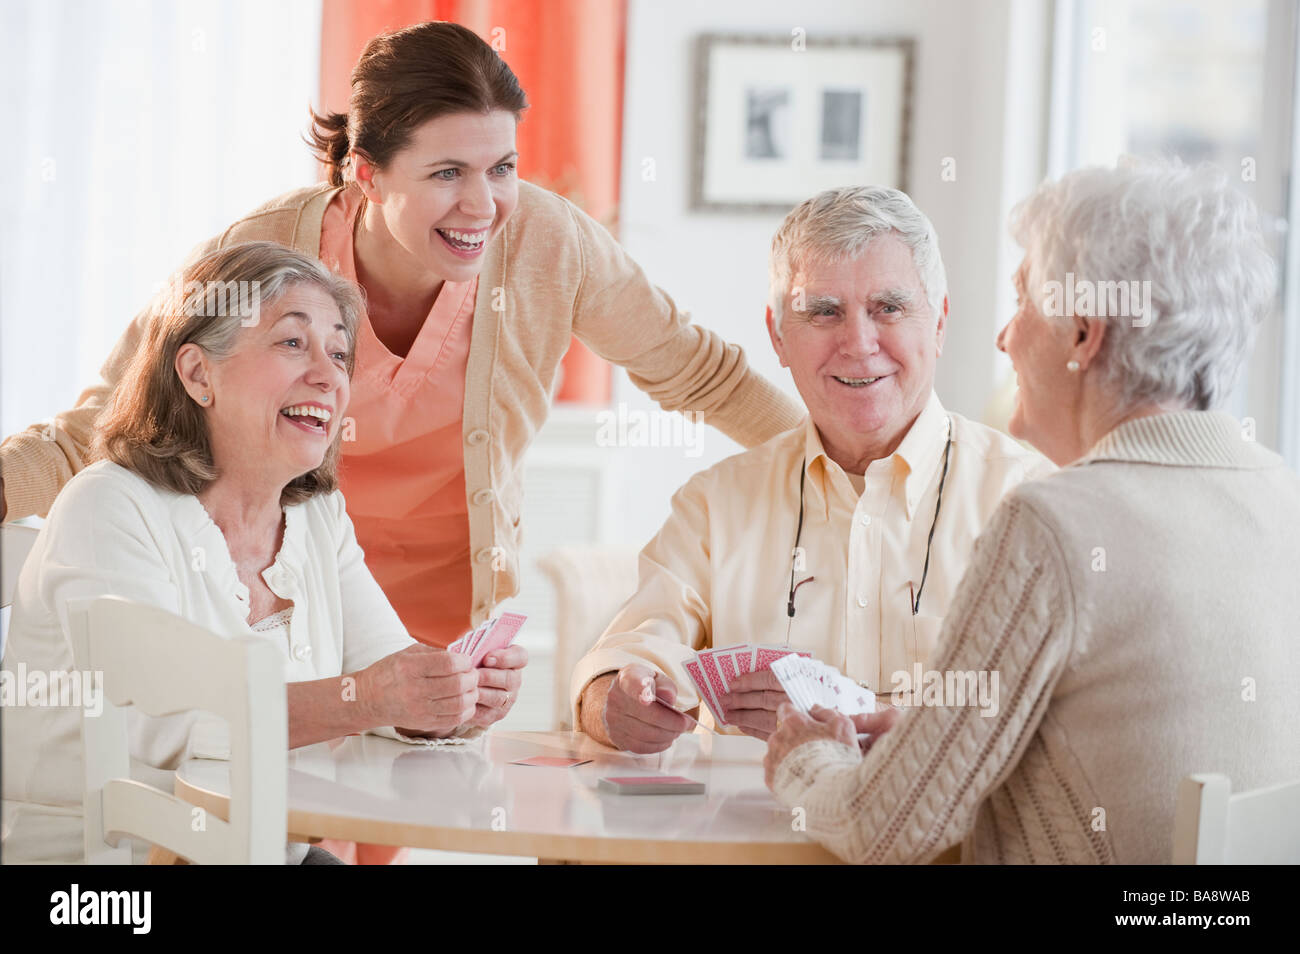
(810, 682)
(495, 633)
(713, 669)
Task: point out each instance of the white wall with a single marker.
(977, 63)
(134, 131)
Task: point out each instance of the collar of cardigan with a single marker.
(1183, 439)
(212, 554)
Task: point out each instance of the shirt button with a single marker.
(862, 602)
(865, 520)
(302, 653)
(484, 555)
(483, 496)
(477, 437)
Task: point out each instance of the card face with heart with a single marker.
(810, 682)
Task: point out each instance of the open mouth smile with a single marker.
(309, 417)
(859, 382)
(466, 244)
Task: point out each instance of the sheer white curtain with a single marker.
(133, 130)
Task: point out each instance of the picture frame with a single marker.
(778, 119)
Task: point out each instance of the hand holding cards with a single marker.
(713, 670)
(496, 633)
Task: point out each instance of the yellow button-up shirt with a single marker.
(718, 572)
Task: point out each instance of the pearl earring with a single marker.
(1069, 366)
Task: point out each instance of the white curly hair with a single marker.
(1200, 244)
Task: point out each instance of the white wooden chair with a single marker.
(163, 664)
(591, 583)
(15, 543)
(1214, 826)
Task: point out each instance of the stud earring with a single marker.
(1069, 366)
(205, 397)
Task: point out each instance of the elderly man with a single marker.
(844, 537)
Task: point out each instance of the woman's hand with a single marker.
(430, 690)
(794, 728)
(499, 679)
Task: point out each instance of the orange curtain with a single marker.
(568, 55)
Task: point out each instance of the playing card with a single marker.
(696, 672)
(727, 666)
(711, 672)
(651, 785)
(498, 636)
(809, 682)
(744, 659)
(550, 761)
(764, 656)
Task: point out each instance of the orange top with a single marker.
(404, 474)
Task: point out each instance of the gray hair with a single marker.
(1194, 239)
(837, 225)
(151, 426)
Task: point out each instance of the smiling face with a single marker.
(449, 192)
(862, 351)
(277, 400)
(1046, 392)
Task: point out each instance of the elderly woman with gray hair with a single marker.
(1136, 605)
(216, 500)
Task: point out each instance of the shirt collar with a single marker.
(922, 450)
(919, 454)
(1181, 439)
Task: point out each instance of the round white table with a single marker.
(470, 798)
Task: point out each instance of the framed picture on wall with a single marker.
(778, 119)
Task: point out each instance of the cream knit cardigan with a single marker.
(1140, 608)
(552, 273)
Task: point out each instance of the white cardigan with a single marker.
(110, 532)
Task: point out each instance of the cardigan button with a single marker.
(483, 496)
(477, 437)
(302, 652)
(484, 555)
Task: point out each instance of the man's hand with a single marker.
(499, 679)
(752, 702)
(632, 718)
(431, 690)
(794, 728)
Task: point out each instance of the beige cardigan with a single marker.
(1139, 608)
(552, 273)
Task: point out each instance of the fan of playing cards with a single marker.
(808, 683)
(496, 633)
(713, 670)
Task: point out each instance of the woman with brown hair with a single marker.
(215, 499)
(475, 285)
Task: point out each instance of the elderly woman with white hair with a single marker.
(216, 500)
(1136, 605)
